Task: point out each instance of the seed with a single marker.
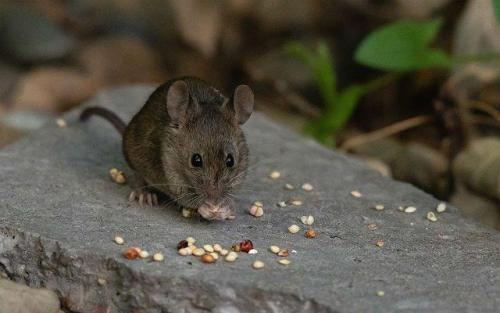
(61, 123)
(275, 175)
(380, 293)
(258, 203)
(283, 253)
(137, 249)
(307, 220)
(356, 194)
(274, 249)
(400, 208)
(431, 217)
(214, 255)
(144, 254)
(258, 264)
(307, 187)
(231, 257)
(217, 247)
(158, 257)
(253, 251)
(119, 240)
(410, 209)
(236, 247)
(282, 204)
(246, 245)
(256, 211)
(130, 254)
(207, 258)
(101, 281)
(310, 233)
(185, 251)
(223, 252)
(188, 212)
(284, 261)
(441, 207)
(372, 226)
(296, 202)
(182, 244)
(208, 248)
(380, 243)
(379, 207)
(117, 176)
(190, 240)
(293, 229)
(289, 187)
(198, 252)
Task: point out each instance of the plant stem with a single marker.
(480, 57)
(381, 81)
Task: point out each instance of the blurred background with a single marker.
(411, 87)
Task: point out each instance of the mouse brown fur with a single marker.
(186, 142)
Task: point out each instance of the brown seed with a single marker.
(130, 254)
(236, 247)
(380, 243)
(310, 233)
(283, 253)
(207, 258)
(182, 244)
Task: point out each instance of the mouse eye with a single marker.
(229, 160)
(196, 160)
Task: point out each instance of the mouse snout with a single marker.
(213, 192)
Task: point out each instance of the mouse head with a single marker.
(205, 156)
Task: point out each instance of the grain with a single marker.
(258, 264)
(293, 229)
(441, 207)
(431, 217)
(119, 240)
(284, 261)
(275, 175)
(356, 194)
(158, 257)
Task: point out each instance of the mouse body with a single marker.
(186, 142)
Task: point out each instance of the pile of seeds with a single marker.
(132, 253)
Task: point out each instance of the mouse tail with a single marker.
(109, 116)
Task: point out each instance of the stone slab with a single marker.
(59, 211)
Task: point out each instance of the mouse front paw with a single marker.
(144, 197)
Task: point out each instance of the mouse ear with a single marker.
(243, 103)
(177, 102)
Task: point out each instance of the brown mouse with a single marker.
(186, 142)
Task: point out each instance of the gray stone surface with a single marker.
(17, 298)
(59, 212)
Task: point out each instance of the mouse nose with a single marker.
(212, 191)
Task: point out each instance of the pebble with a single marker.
(284, 261)
(356, 194)
(378, 207)
(61, 123)
(289, 187)
(275, 175)
(231, 256)
(256, 211)
(208, 248)
(293, 229)
(307, 187)
(198, 252)
(119, 240)
(274, 249)
(258, 264)
(143, 254)
(410, 209)
(441, 207)
(253, 251)
(431, 217)
(158, 257)
(307, 220)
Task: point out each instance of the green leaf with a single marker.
(496, 6)
(403, 46)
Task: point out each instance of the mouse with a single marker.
(186, 142)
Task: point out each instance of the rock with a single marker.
(59, 213)
(118, 60)
(52, 89)
(8, 78)
(22, 299)
(29, 37)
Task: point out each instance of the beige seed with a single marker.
(441, 207)
(284, 261)
(61, 123)
(356, 194)
(297, 202)
(282, 204)
(190, 240)
(198, 252)
(208, 248)
(378, 207)
(289, 187)
(117, 176)
(307, 220)
(372, 226)
(256, 211)
(187, 212)
(293, 229)
(223, 252)
(431, 217)
(307, 187)
(101, 281)
(410, 209)
(217, 247)
(274, 249)
(253, 251)
(214, 255)
(119, 240)
(258, 203)
(380, 293)
(275, 175)
(144, 254)
(158, 257)
(231, 256)
(258, 264)
(380, 243)
(185, 251)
